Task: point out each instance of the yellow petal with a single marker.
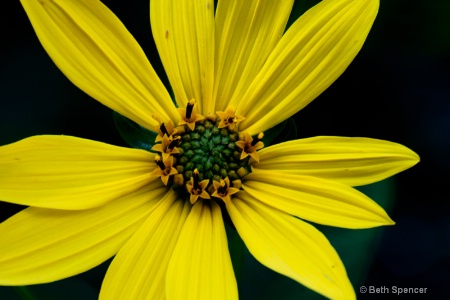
(96, 52)
(200, 267)
(352, 161)
(312, 54)
(139, 269)
(42, 245)
(246, 33)
(66, 172)
(290, 247)
(184, 35)
(318, 200)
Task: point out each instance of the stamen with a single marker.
(164, 169)
(163, 129)
(174, 143)
(188, 116)
(249, 145)
(167, 147)
(189, 108)
(196, 180)
(157, 118)
(258, 139)
(197, 188)
(223, 190)
(228, 118)
(160, 163)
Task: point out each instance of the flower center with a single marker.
(212, 151)
(208, 156)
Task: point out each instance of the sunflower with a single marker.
(235, 73)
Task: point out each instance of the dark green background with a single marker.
(397, 88)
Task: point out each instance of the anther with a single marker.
(167, 147)
(196, 180)
(197, 188)
(249, 145)
(164, 169)
(223, 190)
(189, 116)
(189, 108)
(174, 143)
(163, 129)
(228, 118)
(160, 163)
(258, 139)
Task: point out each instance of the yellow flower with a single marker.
(90, 201)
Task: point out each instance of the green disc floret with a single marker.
(212, 151)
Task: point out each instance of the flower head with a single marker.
(235, 73)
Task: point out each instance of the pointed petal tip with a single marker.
(317, 200)
(95, 51)
(415, 157)
(408, 153)
(410, 158)
(382, 220)
(290, 247)
(385, 221)
(315, 50)
(354, 161)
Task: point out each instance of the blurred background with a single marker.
(397, 89)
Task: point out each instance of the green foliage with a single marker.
(68, 289)
(134, 135)
(285, 131)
